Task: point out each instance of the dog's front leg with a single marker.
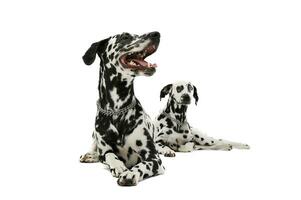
(163, 148)
(142, 170)
(108, 157)
(115, 164)
(162, 145)
(92, 156)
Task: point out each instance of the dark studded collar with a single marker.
(115, 112)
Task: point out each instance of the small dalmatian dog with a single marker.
(173, 132)
(123, 135)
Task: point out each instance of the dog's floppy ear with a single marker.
(165, 91)
(97, 47)
(195, 95)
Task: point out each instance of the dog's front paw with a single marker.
(169, 153)
(128, 178)
(116, 171)
(89, 158)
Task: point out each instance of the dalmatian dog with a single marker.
(174, 133)
(123, 134)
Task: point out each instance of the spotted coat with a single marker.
(174, 133)
(123, 141)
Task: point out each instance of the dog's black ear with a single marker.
(165, 91)
(195, 95)
(97, 47)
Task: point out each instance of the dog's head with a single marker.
(181, 92)
(126, 52)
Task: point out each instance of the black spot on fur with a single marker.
(138, 143)
(169, 123)
(145, 176)
(140, 172)
(180, 88)
(110, 47)
(143, 154)
(130, 152)
(103, 144)
(160, 134)
(161, 116)
(161, 126)
(180, 131)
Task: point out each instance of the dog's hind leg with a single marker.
(235, 145)
(143, 170)
(204, 142)
(222, 147)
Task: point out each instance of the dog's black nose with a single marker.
(154, 35)
(185, 98)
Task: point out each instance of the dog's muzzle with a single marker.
(136, 60)
(185, 99)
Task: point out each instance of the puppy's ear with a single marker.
(165, 91)
(97, 47)
(195, 95)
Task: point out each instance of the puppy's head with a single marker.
(181, 92)
(126, 53)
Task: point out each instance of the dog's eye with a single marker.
(189, 88)
(179, 88)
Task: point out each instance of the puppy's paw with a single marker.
(116, 171)
(89, 158)
(128, 178)
(169, 153)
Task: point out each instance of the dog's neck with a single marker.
(116, 90)
(175, 110)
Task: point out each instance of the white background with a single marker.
(244, 57)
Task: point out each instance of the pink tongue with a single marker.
(144, 63)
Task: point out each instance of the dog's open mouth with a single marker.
(135, 60)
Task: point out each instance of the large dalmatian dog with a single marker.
(123, 133)
(174, 133)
